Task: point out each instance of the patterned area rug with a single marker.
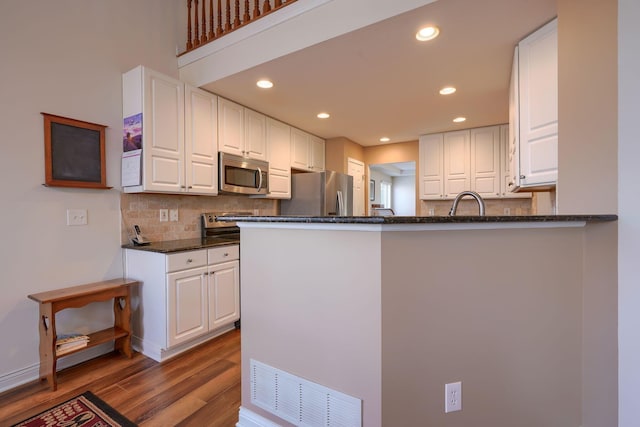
(85, 410)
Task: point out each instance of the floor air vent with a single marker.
(302, 402)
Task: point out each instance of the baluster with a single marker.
(203, 39)
(246, 17)
(212, 22)
(236, 20)
(256, 9)
(227, 23)
(277, 4)
(196, 38)
(189, 43)
(219, 27)
(266, 6)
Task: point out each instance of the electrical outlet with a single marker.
(432, 211)
(76, 217)
(173, 214)
(164, 215)
(453, 397)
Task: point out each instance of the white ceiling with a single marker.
(380, 81)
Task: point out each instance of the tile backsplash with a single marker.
(144, 210)
(468, 206)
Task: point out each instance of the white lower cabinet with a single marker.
(185, 298)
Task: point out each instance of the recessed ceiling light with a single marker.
(384, 139)
(264, 84)
(427, 33)
(447, 90)
(323, 115)
(459, 119)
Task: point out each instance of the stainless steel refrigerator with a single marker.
(325, 193)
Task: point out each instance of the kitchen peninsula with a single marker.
(390, 309)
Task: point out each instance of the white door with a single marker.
(538, 73)
(431, 166)
(255, 135)
(186, 305)
(201, 141)
(230, 127)
(224, 294)
(355, 168)
(300, 154)
(279, 147)
(163, 133)
(457, 176)
(485, 161)
(316, 147)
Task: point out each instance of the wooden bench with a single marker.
(52, 302)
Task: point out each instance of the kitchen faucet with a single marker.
(473, 194)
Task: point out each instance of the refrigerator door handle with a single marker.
(340, 204)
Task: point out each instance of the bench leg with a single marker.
(122, 316)
(47, 329)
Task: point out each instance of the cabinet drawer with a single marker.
(224, 253)
(183, 260)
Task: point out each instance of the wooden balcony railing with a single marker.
(207, 23)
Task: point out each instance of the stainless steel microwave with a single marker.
(242, 175)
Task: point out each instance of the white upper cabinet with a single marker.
(201, 136)
(307, 151)
(175, 158)
(472, 159)
(431, 166)
(457, 174)
(535, 100)
(241, 131)
(279, 143)
(485, 161)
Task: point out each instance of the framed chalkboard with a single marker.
(73, 153)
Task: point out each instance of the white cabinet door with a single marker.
(300, 153)
(279, 148)
(485, 161)
(538, 107)
(186, 305)
(507, 180)
(201, 141)
(456, 163)
(255, 135)
(317, 153)
(230, 127)
(224, 294)
(163, 133)
(431, 166)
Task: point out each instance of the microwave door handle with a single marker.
(259, 171)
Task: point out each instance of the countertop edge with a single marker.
(398, 220)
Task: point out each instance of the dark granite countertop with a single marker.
(419, 219)
(170, 246)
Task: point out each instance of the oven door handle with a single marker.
(259, 171)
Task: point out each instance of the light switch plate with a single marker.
(173, 214)
(76, 217)
(164, 215)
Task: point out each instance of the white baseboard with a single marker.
(249, 418)
(32, 373)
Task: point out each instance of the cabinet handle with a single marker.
(522, 177)
(189, 260)
(226, 254)
(206, 273)
(182, 186)
(190, 187)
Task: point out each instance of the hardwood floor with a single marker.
(199, 388)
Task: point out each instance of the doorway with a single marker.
(394, 188)
(355, 168)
